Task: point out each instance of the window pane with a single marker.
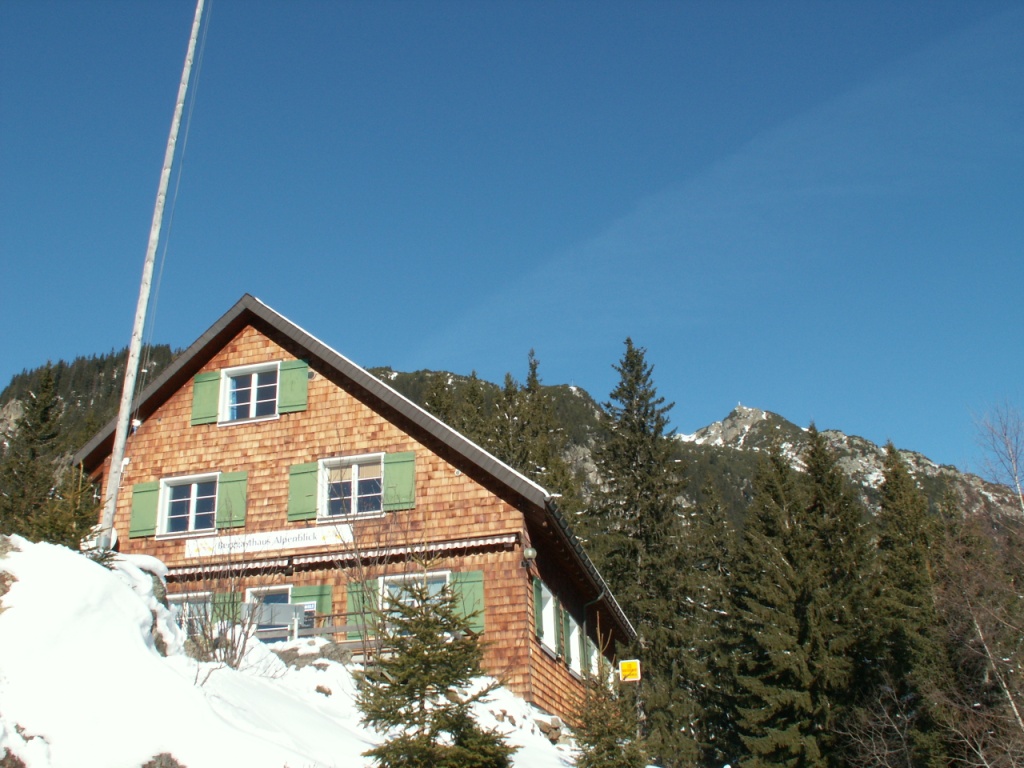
(369, 495)
(181, 492)
(177, 516)
(336, 502)
(240, 396)
(369, 487)
(191, 507)
(266, 393)
(206, 490)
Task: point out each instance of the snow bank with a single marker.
(84, 682)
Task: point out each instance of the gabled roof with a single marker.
(539, 504)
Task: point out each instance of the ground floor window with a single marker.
(192, 611)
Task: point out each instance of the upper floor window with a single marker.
(250, 393)
(341, 488)
(190, 505)
(352, 486)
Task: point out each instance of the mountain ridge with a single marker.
(723, 454)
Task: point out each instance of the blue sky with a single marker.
(812, 208)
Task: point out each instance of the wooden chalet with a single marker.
(265, 463)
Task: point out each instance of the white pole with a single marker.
(103, 542)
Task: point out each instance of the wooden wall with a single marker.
(449, 506)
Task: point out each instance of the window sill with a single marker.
(555, 655)
(186, 535)
(256, 420)
(335, 519)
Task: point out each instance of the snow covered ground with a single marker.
(83, 685)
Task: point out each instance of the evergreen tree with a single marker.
(800, 610)
(707, 550)
(470, 413)
(525, 435)
(773, 705)
(836, 575)
(899, 717)
(27, 467)
(634, 532)
(606, 733)
(634, 520)
(416, 694)
(979, 600)
(440, 398)
(70, 513)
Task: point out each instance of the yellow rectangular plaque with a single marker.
(629, 671)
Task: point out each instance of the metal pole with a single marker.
(103, 541)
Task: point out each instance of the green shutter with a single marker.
(205, 397)
(321, 593)
(399, 481)
(226, 606)
(145, 502)
(231, 488)
(468, 588)
(538, 608)
(302, 491)
(361, 606)
(293, 386)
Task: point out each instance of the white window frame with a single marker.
(163, 511)
(408, 578)
(548, 619)
(252, 594)
(324, 466)
(573, 646)
(226, 377)
(191, 610)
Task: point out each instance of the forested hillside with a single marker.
(801, 597)
(88, 389)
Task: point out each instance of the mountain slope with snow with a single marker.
(751, 431)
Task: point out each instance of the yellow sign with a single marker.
(629, 671)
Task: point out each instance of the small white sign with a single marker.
(268, 541)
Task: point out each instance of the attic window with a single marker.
(249, 393)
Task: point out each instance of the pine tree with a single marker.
(835, 573)
(525, 435)
(606, 733)
(417, 694)
(634, 532)
(27, 467)
(899, 720)
(773, 706)
(707, 549)
(470, 412)
(635, 517)
(440, 398)
(800, 610)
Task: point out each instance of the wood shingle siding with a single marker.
(442, 505)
